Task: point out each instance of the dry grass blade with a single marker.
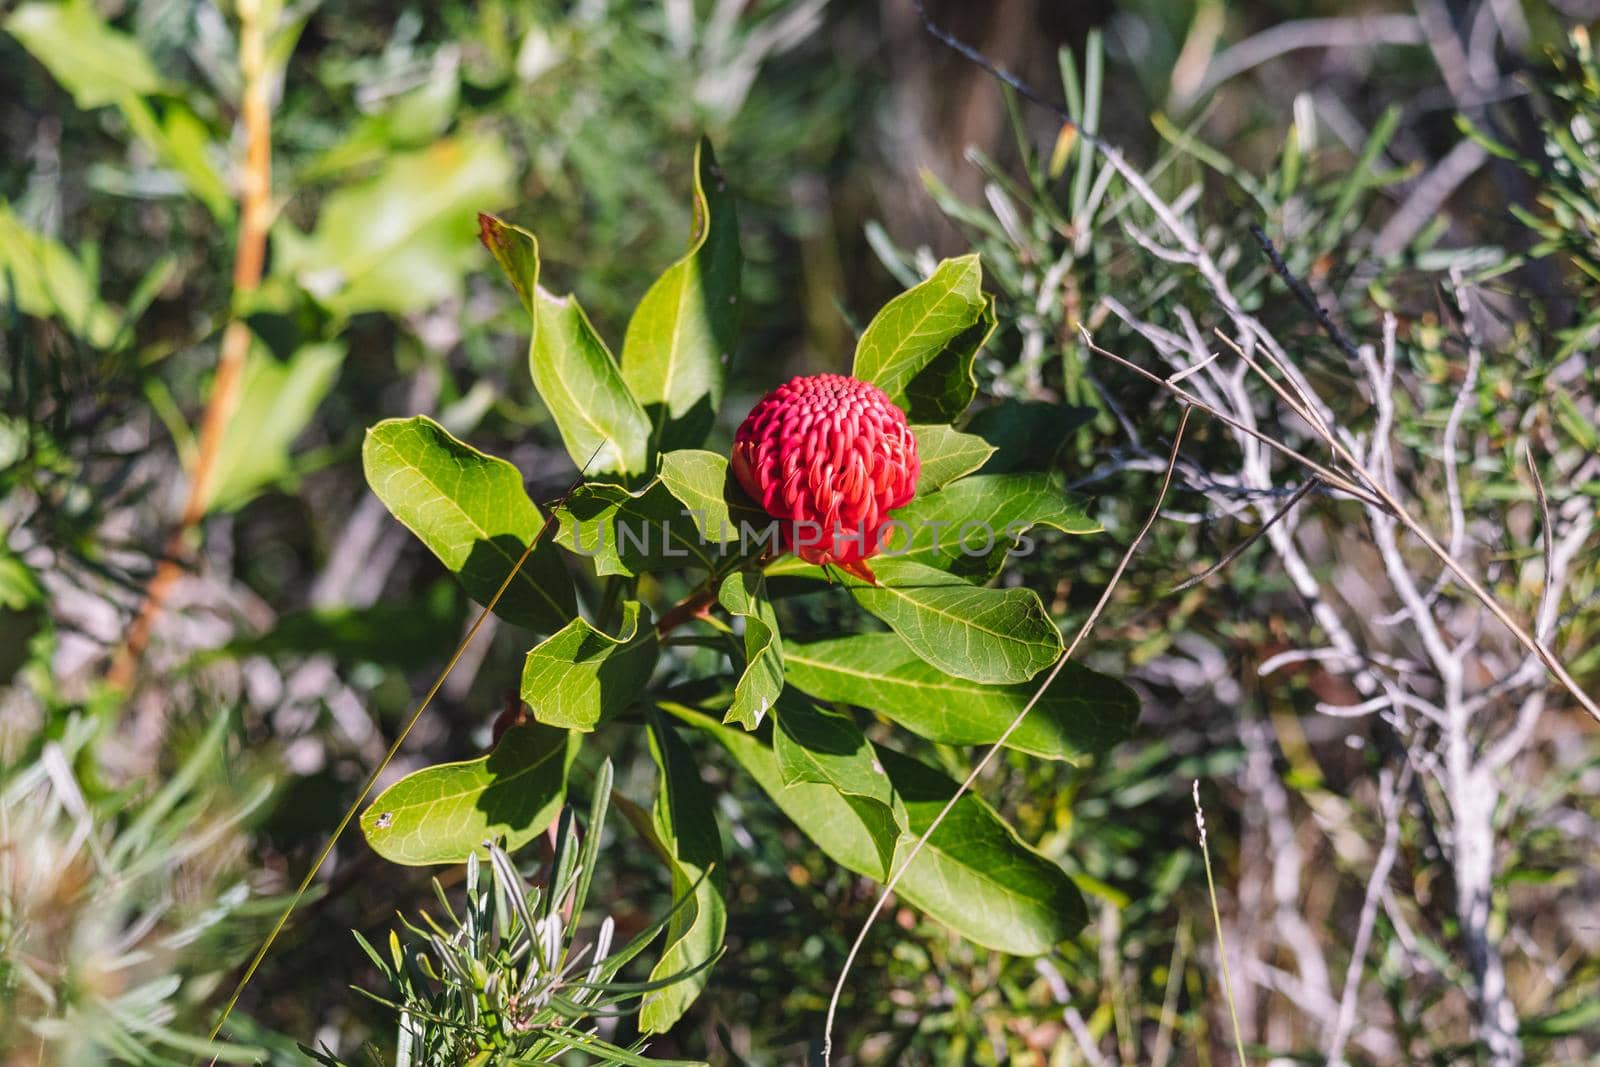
(988, 756)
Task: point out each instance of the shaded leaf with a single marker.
(578, 676)
(473, 513)
(985, 635)
(1009, 897)
(946, 386)
(1026, 434)
(744, 594)
(632, 533)
(681, 335)
(1082, 713)
(602, 425)
(686, 826)
(974, 875)
(441, 814)
(826, 748)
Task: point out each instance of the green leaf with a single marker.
(974, 875)
(985, 635)
(400, 240)
(947, 454)
(1578, 427)
(826, 748)
(744, 594)
(276, 402)
(632, 533)
(681, 335)
(686, 825)
(1026, 434)
(578, 677)
(911, 332)
(969, 527)
(43, 278)
(184, 144)
(602, 425)
(441, 814)
(946, 386)
(1081, 714)
(95, 63)
(702, 484)
(1008, 897)
(472, 512)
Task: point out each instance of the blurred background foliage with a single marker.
(146, 831)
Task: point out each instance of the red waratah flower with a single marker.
(829, 456)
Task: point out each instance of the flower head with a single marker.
(829, 456)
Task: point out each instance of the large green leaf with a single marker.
(701, 483)
(974, 875)
(1082, 713)
(827, 748)
(744, 593)
(968, 527)
(400, 240)
(632, 533)
(985, 635)
(578, 676)
(686, 824)
(1009, 897)
(95, 63)
(441, 814)
(947, 454)
(911, 332)
(943, 389)
(681, 335)
(473, 513)
(276, 402)
(602, 425)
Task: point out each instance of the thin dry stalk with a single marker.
(255, 218)
(994, 749)
(1216, 919)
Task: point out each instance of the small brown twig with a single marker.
(255, 216)
(691, 607)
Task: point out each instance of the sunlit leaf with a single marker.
(98, 65)
(910, 333)
(473, 513)
(602, 425)
(744, 594)
(681, 335)
(402, 239)
(947, 454)
(984, 635)
(1082, 712)
(276, 402)
(443, 813)
(969, 527)
(974, 875)
(578, 676)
